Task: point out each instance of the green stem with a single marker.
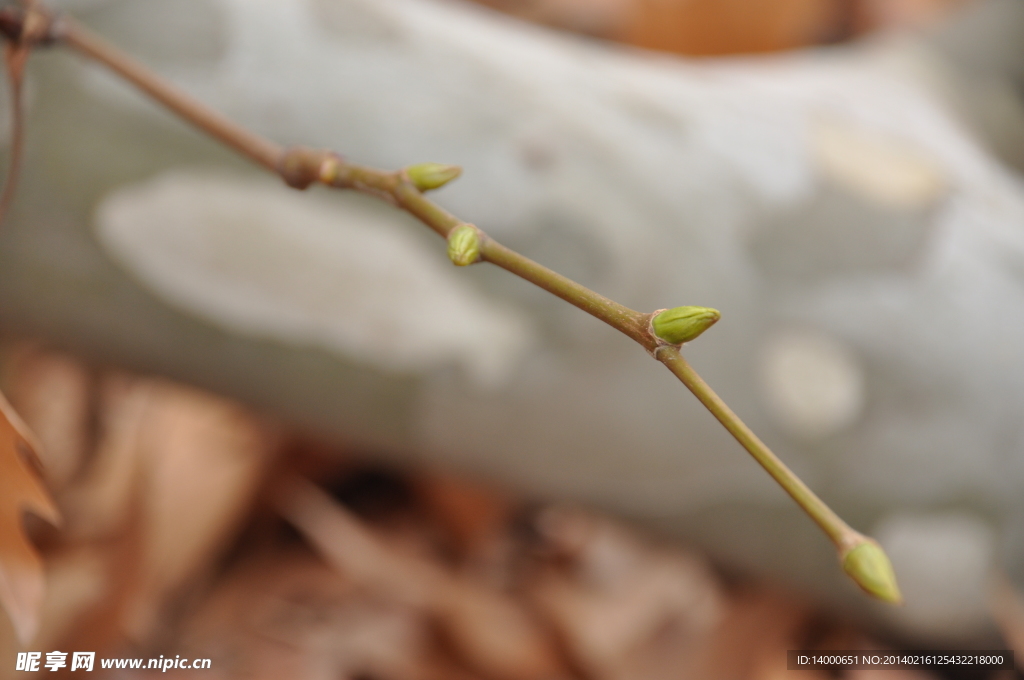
(834, 527)
(622, 318)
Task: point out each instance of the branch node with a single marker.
(28, 27)
(301, 166)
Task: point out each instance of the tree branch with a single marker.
(300, 167)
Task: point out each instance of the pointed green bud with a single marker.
(464, 245)
(427, 176)
(683, 324)
(869, 566)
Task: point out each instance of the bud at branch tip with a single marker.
(868, 565)
(683, 324)
(464, 245)
(427, 176)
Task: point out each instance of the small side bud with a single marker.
(464, 245)
(427, 176)
(869, 566)
(683, 324)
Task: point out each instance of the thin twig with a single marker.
(30, 31)
(258, 149)
(300, 167)
(14, 60)
(834, 527)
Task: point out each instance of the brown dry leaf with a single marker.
(52, 392)
(175, 472)
(625, 609)
(203, 460)
(76, 582)
(97, 623)
(472, 513)
(21, 490)
(629, 608)
(98, 503)
(288, 615)
(349, 546)
(759, 627)
(694, 27)
(291, 616)
(713, 27)
(491, 632)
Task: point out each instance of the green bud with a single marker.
(683, 324)
(427, 176)
(464, 245)
(869, 566)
